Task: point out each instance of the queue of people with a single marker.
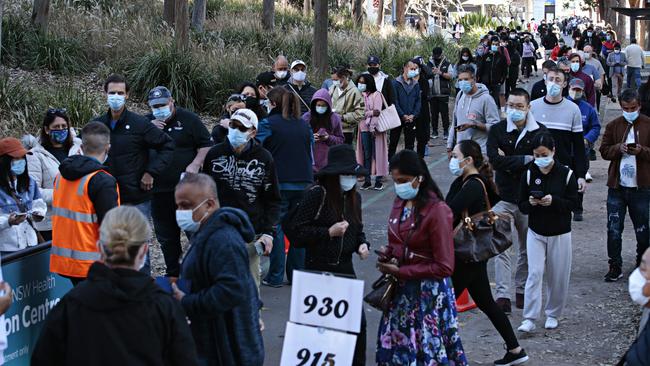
(284, 148)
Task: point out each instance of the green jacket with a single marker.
(349, 104)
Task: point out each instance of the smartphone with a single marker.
(631, 146)
(259, 248)
(537, 194)
(20, 214)
(381, 254)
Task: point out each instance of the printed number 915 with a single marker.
(304, 356)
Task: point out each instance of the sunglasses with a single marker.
(237, 125)
(57, 112)
(237, 98)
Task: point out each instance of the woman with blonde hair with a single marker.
(142, 324)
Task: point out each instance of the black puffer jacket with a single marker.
(139, 324)
(131, 139)
(325, 253)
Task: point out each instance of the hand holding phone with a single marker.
(537, 194)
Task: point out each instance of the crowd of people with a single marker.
(288, 158)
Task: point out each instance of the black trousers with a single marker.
(417, 130)
(513, 75)
(495, 90)
(348, 137)
(474, 278)
(439, 106)
(163, 212)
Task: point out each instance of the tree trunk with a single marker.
(306, 8)
(198, 15)
(268, 14)
(380, 13)
(181, 24)
(357, 13)
(319, 47)
(2, 5)
(168, 11)
(41, 15)
(401, 13)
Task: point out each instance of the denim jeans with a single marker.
(295, 259)
(634, 73)
(145, 208)
(368, 143)
(618, 201)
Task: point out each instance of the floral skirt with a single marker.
(421, 328)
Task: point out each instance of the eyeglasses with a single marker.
(237, 98)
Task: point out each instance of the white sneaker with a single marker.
(551, 323)
(526, 326)
(588, 178)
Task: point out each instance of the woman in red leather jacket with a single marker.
(421, 326)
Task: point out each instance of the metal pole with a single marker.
(393, 14)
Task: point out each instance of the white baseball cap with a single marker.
(298, 62)
(246, 117)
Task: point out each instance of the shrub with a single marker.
(19, 107)
(60, 55)
(17, 38)
(213, 8)
(189, 78)
(81, 105)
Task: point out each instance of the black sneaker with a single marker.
(614, 273)
(445, 136)
(434, 135)
(513, 359)
(505, 305)
(577, 216)
(378, 186)
(366, 186)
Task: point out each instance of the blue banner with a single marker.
(36, 291)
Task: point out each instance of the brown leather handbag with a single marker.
(483, 235)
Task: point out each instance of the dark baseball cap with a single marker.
(373, 60)
(159, 95)
(266, 78)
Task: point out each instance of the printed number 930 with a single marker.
(339, 309)
(304, 356)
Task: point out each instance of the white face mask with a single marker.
(185, 219)
(635, 287)
(299, 76)
(280, 74)
(347, 182)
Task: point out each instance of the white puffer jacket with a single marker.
(43, 168)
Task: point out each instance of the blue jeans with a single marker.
(145, 208)
(295, 259)
(634, 73)
(368, 143)
(618, 201)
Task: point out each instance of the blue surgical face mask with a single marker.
(589, 34)
(516, 115)
(115, 101)
(575, 66)
(236, 137)
(544, 162)
(59, 136)
(454, 167)
(347, 182)
(609, 38)
(321, 109)
(18, 166)
(362, 87)
(162, 113)
(185, 220)
(494, 48)
(411, 74)
(465, 86)
(406, 191)
(553, 89)
(630, 117)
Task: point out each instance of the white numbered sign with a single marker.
(326, 301)
(311, 346)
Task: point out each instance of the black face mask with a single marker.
(252, 102)
(373, 70)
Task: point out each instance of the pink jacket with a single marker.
(369, 124)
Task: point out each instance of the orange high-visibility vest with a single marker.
(75, 230)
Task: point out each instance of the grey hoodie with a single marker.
(479, 107)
